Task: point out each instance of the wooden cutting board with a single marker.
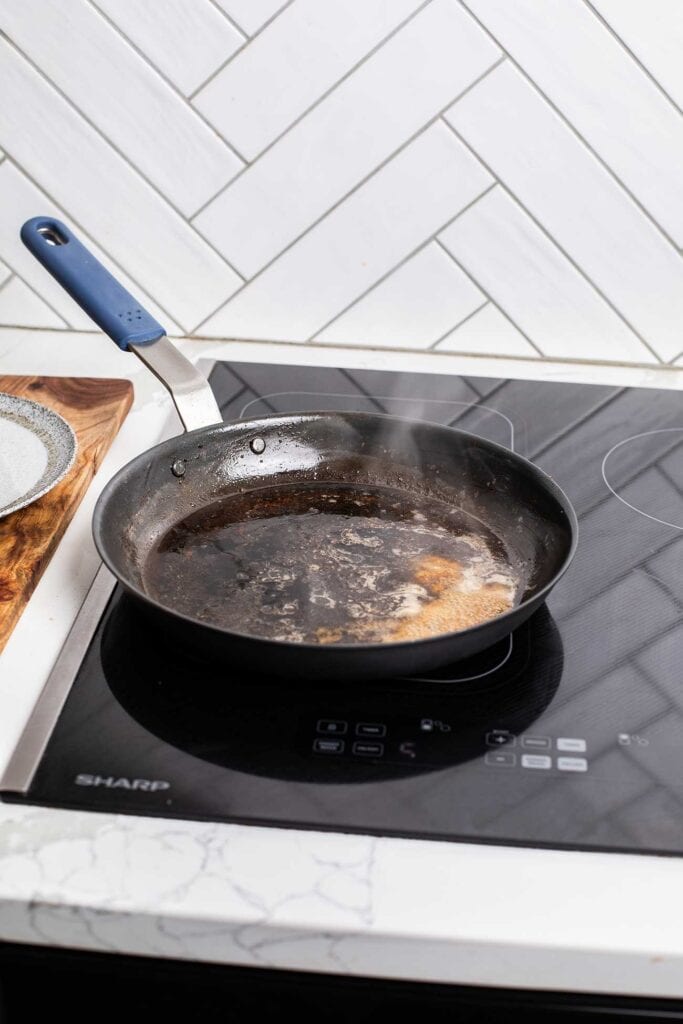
(95, 408)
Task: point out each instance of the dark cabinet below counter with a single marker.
(42, 983)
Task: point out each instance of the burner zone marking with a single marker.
(384, 398)
(627, 440)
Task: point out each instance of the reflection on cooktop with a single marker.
(269, 728)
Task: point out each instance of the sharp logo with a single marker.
(112, 782)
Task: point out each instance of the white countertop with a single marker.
(422, 910)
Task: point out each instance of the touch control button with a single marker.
(536, 761)
(572, 764)
(500, 738)
(536, 742)
(370, 729)
(575, 745)
(328, 746)
(368, 749)
(331, 727)
(499, 759)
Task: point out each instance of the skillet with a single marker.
(315, 545)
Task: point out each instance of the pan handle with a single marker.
(90, 284)
(121, 316)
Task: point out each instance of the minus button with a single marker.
(500, 759)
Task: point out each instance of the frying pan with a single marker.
(228, 515)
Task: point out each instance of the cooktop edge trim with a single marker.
(30, 747)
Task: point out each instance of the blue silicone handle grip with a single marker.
(92, 286)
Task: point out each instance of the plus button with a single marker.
(499, 738)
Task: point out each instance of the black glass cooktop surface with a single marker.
(569, 733)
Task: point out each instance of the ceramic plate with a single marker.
(37, 448)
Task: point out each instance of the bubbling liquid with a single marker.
(332, 564)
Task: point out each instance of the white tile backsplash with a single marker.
(19, 304)
(617, 108)
(549, 170)
(486, 331)
(417, 73)
(366, 237)
(20, 199)
(469, 175)
(189, 43)
(83, 172)
(412, 308)
(104, 78)
(653, 33)
(306, 51)
(499, 244)
(251, 15)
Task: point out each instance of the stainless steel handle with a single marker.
(189, 389)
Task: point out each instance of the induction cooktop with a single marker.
(568, 733)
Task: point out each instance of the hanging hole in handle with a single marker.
(52, 235)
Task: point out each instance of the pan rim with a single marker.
(536, 598)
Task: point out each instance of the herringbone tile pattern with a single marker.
(462, 175)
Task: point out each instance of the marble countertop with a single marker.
(379, 907)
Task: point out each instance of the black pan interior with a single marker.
(390, 478)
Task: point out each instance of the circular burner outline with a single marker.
(627, 440)
(464, 679)
(384, 398)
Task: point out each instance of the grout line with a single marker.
(313, 105)
(10, 277)
(248, 39)
(423, 244)
(376, 284)
(164, 77)
(596, 156)
(633, 55)
(360, 388)
(553, 241)
(459, 324)
(670, 362)
(71, 219)
(674, 485)
(228, 18)
(60, 316)
(347, 195)
(561, 434)
(94, 331)
(37, 295)
(489, 297)
(122, 155)
(23, 327)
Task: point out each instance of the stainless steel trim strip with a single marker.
(22, 765)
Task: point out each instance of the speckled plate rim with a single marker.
(55, 434)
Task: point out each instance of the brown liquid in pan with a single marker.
(332, 564)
